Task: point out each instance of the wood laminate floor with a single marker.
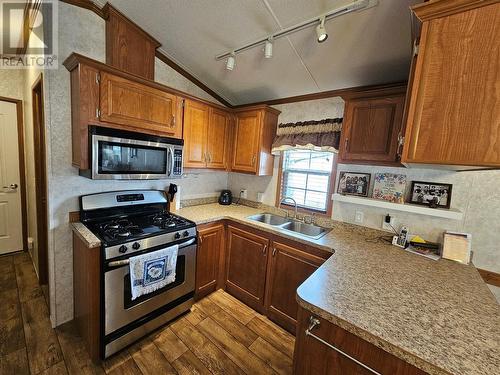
(220, 335)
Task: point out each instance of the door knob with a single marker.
(11, 186)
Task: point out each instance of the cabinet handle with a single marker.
(346, 144)
(209, 157)
(172, 122)
(401, 142)
(264, 250)
(200, 238)
(253, 160)
(274, 251)
(313, 323)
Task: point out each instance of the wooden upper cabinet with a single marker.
(218, 135)
(454, 112)
(128, 47)
(196, 118)
(139, 106)
(206, 133)
(254, 133)
(246, 141)
(210, 244)
(372, 129)
(84, 111)
(288, 268)
(246, 266)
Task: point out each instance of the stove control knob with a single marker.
(136, 245)
(177, 235)
(185, 233)
(122, 249)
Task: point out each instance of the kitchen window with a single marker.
(307, 176)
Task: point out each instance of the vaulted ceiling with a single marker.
(371, 46)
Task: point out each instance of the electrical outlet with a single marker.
(243, 193)
(359, 217)
(386, 225)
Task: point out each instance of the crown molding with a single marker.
(442, 8)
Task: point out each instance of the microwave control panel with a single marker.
(177, 168)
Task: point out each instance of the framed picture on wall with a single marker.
(352, 183)
(389, 187)
(430, 194)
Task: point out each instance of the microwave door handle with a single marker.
(170, 155)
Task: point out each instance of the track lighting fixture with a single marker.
(268, 48)
(231, 61)
(321, 31)
(321, 34)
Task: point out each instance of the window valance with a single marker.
(322, 135)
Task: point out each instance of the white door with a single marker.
(11, 238)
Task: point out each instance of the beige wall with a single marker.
(65, 185)
(476, 194)
(11, 83)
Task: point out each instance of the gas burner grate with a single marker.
(166, 220)
(122, 228)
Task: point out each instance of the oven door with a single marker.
(120, 310)
(123, 158)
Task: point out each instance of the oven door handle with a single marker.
(125, 262)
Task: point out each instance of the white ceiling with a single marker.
(371, 46)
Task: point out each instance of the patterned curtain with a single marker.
(323, 135)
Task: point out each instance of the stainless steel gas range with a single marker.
(130, 223)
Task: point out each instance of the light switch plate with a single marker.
(359, 217)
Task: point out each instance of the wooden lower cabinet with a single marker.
(209, 253)
(288, 268)
(313, 357)
(260, 269)
(86, 294)
(246, 266)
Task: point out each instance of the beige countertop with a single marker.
(437, 315)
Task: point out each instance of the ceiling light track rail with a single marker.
(349, 8)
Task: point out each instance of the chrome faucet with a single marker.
(294, 202)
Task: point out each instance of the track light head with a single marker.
(231, 61)
(268, 48)
(321, 31)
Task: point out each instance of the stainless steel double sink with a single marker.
(290, 225)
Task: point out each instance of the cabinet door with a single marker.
(210, 242)
(455, 102)
(217, 139)
(138, 106)
(288, 268)
(313, 357)
(246, 141)
(246, 267)
(196, 120)
(371, 130)
(84, 107)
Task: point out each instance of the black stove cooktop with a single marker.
(122, 229)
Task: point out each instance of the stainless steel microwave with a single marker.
(124, 155)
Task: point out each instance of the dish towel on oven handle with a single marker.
(152, 271)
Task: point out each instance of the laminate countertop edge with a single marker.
(88, 238)
(371, 338)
